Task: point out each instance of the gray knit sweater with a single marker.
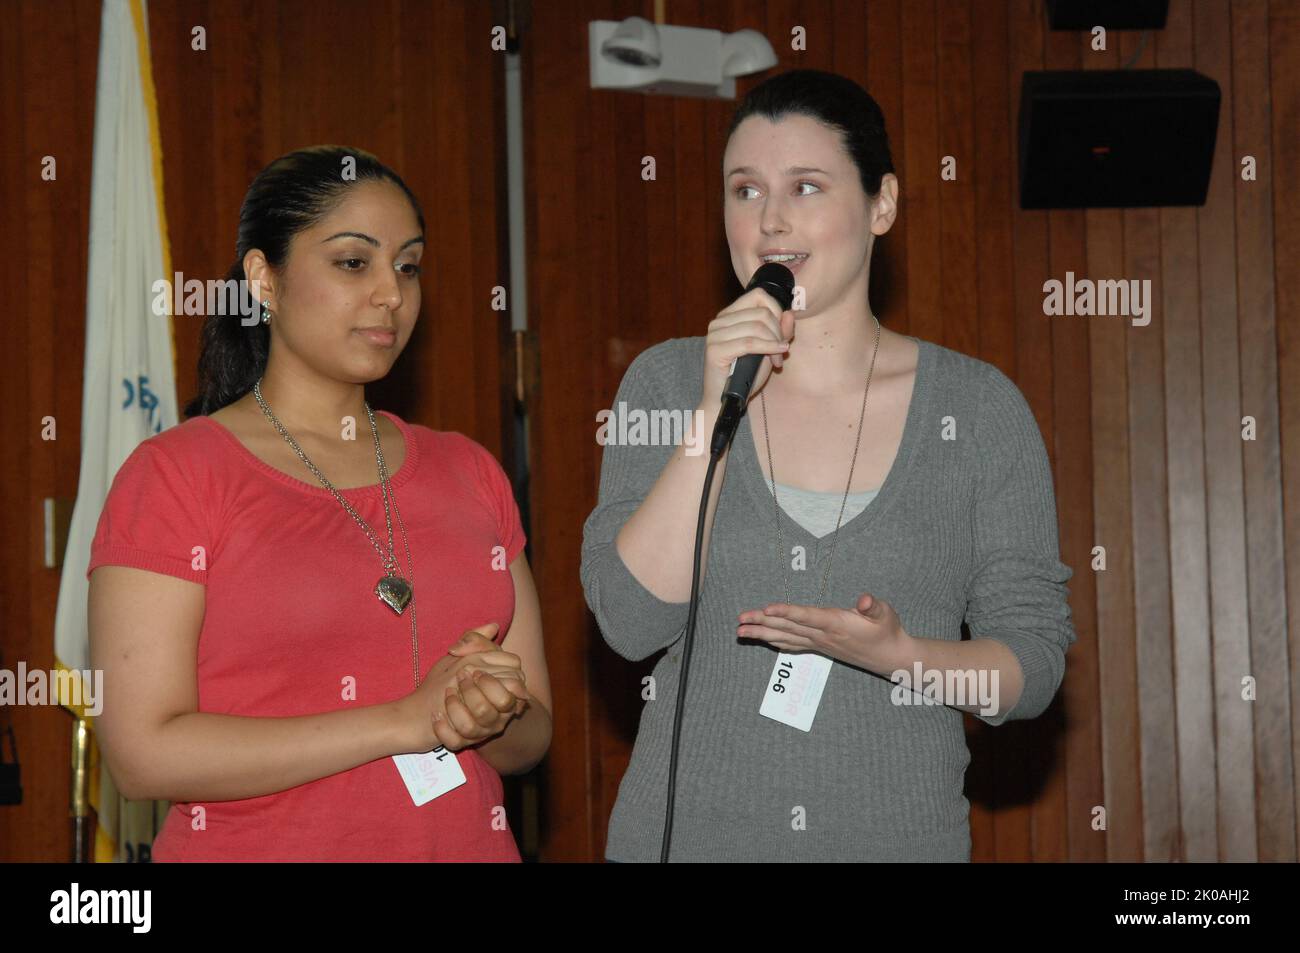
(964, 527)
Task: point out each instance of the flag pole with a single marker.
(80, 800)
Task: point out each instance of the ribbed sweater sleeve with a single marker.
(1017, 592)
(634, 621)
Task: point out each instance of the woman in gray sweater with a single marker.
(880, 490)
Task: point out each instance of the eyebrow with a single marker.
(793, 170)
(418, 239)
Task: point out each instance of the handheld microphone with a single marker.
(778, 281)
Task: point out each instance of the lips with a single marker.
(378, 336)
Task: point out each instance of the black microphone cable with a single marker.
(778, 281)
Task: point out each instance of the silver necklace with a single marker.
(780, 546)
(392, 589)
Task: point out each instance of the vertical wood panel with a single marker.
(1148, 492)
(884, 80)
(1059, 390)
(1284, 80)
(1225, 507)
(958, 286)
(1266, 599)
(920, 133)
(1113, 518)
(1185, 440)
(568, 223)
(1147, 488)
(999, 779)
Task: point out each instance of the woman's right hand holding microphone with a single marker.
(753, 324)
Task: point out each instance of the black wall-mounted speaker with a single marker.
(1111, 14)
(1116, 138)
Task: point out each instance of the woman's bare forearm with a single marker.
(523, 744)
(201, 756)
(658, 540)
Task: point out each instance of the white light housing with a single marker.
(745, 52)
(640, 56)
(634, 42)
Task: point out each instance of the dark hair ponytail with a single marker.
(290, 195)
(837, 102)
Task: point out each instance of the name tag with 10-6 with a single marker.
(429, 774)
(795, 689)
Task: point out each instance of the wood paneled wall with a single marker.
(1143, 424)
(413, 81)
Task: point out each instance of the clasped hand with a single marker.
(472, 693)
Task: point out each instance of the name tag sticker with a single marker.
(795, 689)
(429, 774)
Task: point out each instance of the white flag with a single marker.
(129, 389)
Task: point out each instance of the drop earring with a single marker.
(266, 311)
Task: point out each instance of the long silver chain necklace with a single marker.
(392, 589)
(780, 545)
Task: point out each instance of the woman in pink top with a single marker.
(320, 637)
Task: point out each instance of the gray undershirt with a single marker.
(818, 511)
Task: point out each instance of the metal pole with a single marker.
(79, 799)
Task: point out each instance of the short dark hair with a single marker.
(835, 101)
(290, 195)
